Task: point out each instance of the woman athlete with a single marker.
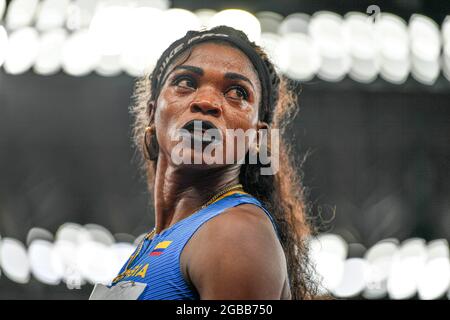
(222, 231)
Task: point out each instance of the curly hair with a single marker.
(282, 193)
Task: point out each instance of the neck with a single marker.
(180, 192)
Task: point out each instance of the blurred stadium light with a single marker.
(328, 253)
(95, 261)
(238, 19)
(205, 15)
(425, 44)
(108, 28)
(139, 56)
(21, 13)
(327, 31)
(49, 57)
(270, 42)
(78, 56)
(80, 14)
(51, 14)
(294, 23)
(353, 280)
(407, 264)
(392, 37)
(434, 280)
(84, 255)
(379, 259)
(65, 264)
(108, 37)
(109, 66)
(38, 234)
(270, 21)
(3, 44)
(363, 48)
(23, 48)
(298, 56)
(14, 260)
(177, 21)
(446, 47)
(39, 255)
(100, 234)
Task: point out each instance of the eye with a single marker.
(237, 93)
(184, 81)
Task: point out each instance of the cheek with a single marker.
(236, 145)
(243, 120)
(170, 102)
(165, 117)
(168, 108)
(162, 117)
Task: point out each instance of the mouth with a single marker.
(202, 131)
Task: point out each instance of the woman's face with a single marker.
(217, 88)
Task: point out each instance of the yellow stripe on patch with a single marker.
(229, 193)
(163, 245)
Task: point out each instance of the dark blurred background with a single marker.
(378, 155)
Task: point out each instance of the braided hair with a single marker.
(282, 193)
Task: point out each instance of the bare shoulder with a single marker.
(236, 255)
(238, 223)
(246, 226)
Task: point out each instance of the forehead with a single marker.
(224, 58)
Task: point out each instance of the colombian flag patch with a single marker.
(160, 247)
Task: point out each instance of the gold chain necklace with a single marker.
(150, 235)
(221, 193)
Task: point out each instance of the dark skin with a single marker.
(235, 255)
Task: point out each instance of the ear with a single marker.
(263, 129)
(150, 144)
(260, 128)
(262, 125)
(263, 135)
(151, 110)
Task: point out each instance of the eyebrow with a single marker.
(228, 75)
(237, 76)
(193, 69)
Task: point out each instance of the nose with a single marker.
(207, 103)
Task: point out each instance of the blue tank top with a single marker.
(158, 262)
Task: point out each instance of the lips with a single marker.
(203, 131)
(202, 124)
